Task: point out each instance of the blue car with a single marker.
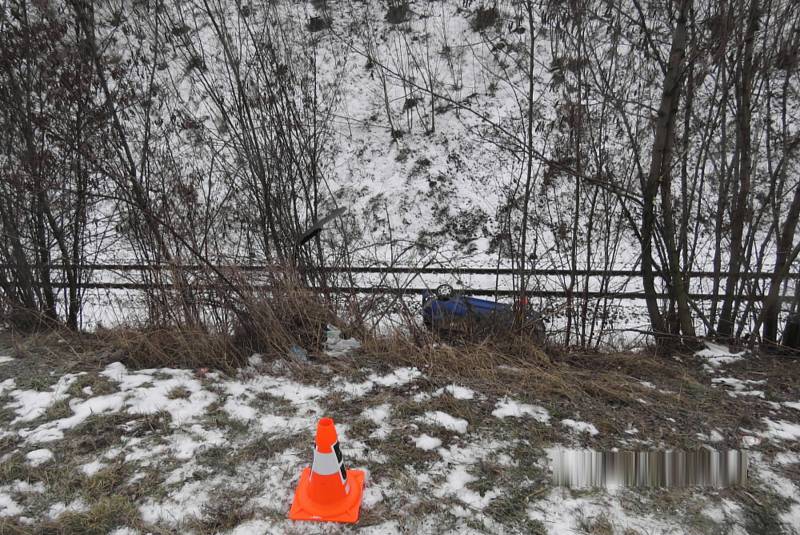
(448, 312)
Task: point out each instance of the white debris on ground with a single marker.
(460, 472)
(336, 346)
(5, 358)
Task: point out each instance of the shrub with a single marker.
(317, 24)
(485, 17)
(398, 12)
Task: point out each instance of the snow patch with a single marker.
(6, 386)
(781, 430)
(456, 485)
(123, 531)
(717, 355)
(739, 386)
(379, 415)
(76, 506)
(580, 427)
(443, 419)
(427, 442)
(93, 467)
(31, 404)
(39, 457)
(458, 392)
(508, 407)
(186, 502)
(8, 507)
(253, 527)
(398, 377)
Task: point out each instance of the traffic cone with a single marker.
(327, 491)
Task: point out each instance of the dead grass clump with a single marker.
(230, 509)
(23, 319)
(107, 481)
(100, 431)
(173, 347)
(107, 513)
(287, 314)
(98, 385)
(604, 389)
(57, 348)
(483, 365)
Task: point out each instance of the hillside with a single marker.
(111, 449)
(598, 136)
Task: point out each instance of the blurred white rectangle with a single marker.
(704, 467)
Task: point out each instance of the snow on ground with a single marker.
(579, 427)
(38, 457)
(31, 404)
(738, 387)
(458, 392)
(427, 442)
(508, 407)
(716, 355)
(396, 378)
(186, 449)
(560, 512)
(445, 420)
(781, 430)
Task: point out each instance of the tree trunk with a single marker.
(659, 172)
(744, 89)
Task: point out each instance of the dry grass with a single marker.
(223, 513)
(173, 347)
(284, 315)
(605, 389)
(237, 320)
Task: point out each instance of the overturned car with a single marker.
(451, 313)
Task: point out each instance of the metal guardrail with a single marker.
(409, 270)
(384, 290)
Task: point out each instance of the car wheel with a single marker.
(444, 292)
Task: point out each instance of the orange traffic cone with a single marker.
(328, 491)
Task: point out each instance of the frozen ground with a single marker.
(123, 451)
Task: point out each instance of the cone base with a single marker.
(347, 512)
